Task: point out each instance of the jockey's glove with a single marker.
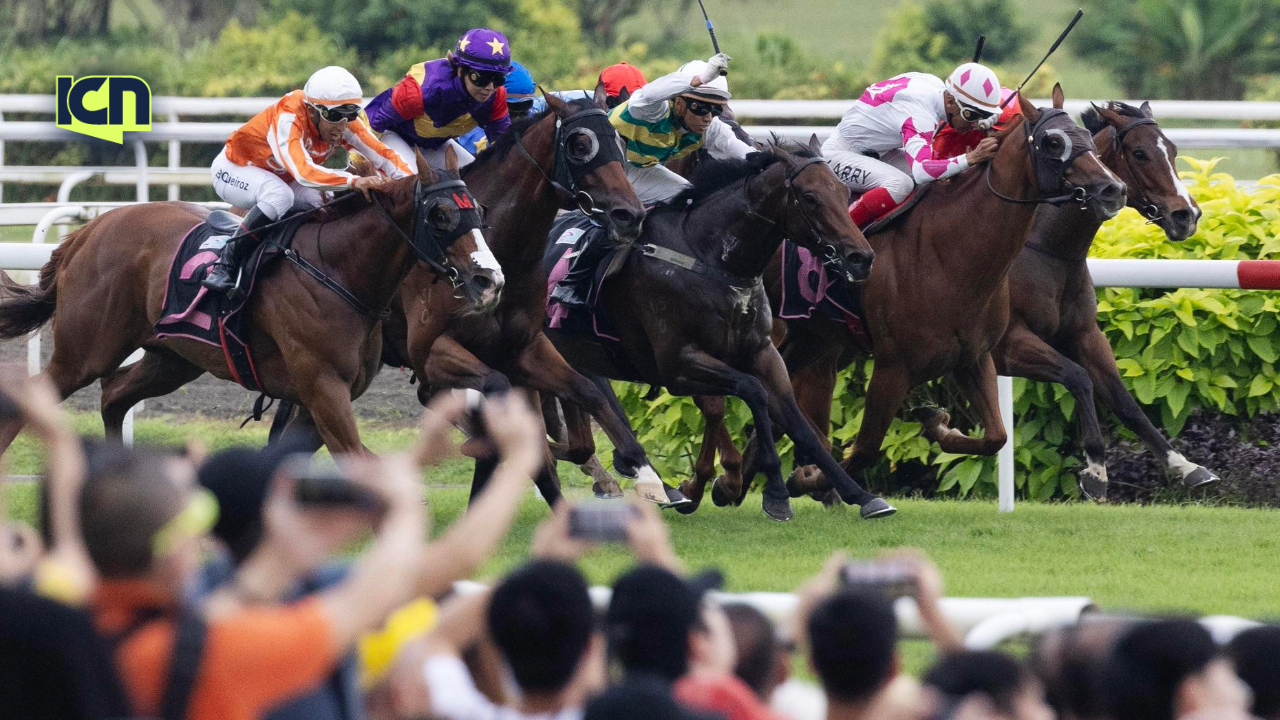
(717, 65)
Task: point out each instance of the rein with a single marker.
(1077, 193)
(560, 170)
(830, 254)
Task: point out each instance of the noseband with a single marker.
(830, 254)
(1144, 206)
(1047, 169)
(570, 167)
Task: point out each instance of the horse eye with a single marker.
(1140, 154)
(1053, 144)
(810, 198)
(441, 217)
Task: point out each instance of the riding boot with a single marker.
(873, 205)
(574, 288)
(221, 276)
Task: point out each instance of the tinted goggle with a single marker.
(699, 108)
(484, 79)
(338, 113)
(973, 115)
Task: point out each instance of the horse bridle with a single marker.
(1048, 169)
(830, 254)
(1144, 206)
(430, 242)
(568, 168)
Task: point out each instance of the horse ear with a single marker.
(450, 158)
(1029, 111)
(1058, 97)
(1111, 116)
(601, 98)
(624, 95)
(426, 173)
(814, 145)
(557, 105)
(1146, 109)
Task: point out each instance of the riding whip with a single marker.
(712, 30)
(1056, 43)
(977, 53)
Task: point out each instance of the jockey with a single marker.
(663, 120)
(882, 147)
(440, 100)
(272, 164)
(521, 97)
(948, 143)
(620, 80)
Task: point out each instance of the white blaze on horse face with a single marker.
(1179, 464)
(1177, 181)
(483, 258)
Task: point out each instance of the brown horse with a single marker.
(690, 310)
(1053, 333)
(565, 157)
(937, 300)
(104, 287)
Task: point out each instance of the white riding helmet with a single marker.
(716, 91)
(976, 86)
(332, 86)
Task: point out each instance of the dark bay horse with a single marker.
(937, 299)
(104, 286)
(690, 309)
(1053, 333)
(566, 157)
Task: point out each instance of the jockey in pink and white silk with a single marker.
(883, 146)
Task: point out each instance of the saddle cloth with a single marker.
(570, 233)
(191, 311)
(808, 288)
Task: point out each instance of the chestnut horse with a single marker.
(104, 287)
(690, 309)
(568, 156)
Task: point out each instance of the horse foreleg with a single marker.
(885, 393)
(159, 372)
(813, 381)
(541, 367)
(1094, 353)
(1024, 354)
(603, 484)
(700, 374)
(328, 398)
(449, 365)
(772, 373)
(977, 383)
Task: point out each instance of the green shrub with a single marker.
(1214, 350)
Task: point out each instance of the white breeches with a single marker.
(245, 186)
(434, 158)
(654, 184)
(861, 173)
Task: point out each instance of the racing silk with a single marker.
(431, 105)
(648, 124)
(282, 139)
(903, 112)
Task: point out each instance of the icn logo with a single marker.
(95, 105)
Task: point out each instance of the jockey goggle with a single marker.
(485, 79)
(973, 115)
(338, 113)
(700, 108)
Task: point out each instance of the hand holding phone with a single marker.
(890, 578)
(326, 485)
(600, 522)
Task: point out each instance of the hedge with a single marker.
(1209, 350)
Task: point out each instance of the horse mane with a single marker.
(518, 128)
(1095, 123)
(713, 175)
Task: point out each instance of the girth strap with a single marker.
(692, 264)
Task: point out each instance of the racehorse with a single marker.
(1053, 333)
(105, 285)
(937, 300)
(689, 307)
(568, 155)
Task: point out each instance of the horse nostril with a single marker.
(1182, 217)
(1113, 191)
(483, 283)
(623, 217)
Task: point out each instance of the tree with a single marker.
(1184, 49)
(375, 27)
(941, 34)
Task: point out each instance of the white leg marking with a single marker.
(1180, 464)
(1098, 470)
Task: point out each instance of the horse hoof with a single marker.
(777, 509)
(929, 416)
(693, 496)
(877, 508)
(721, 497)
(607, 490)
(805, 480)
(1092, 485)
(621, 467)
(1199, 478)
(652, 492)
(675, 498)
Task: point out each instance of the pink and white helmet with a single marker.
(976, 86)
(332, 86)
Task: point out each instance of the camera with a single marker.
(324, 484)
(891, 579)
(600, 522)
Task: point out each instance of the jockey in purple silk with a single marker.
(440, 100)
(883, 145)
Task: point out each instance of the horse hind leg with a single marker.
(704, 466)
(1095, 355)
(978, 385)
(159, 372)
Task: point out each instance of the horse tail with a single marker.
(23, 308)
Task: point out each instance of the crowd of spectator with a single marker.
(176, 586)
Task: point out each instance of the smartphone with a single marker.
(890, 578)
(324, 484)
(600, 521)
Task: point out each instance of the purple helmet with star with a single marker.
(484, 50)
